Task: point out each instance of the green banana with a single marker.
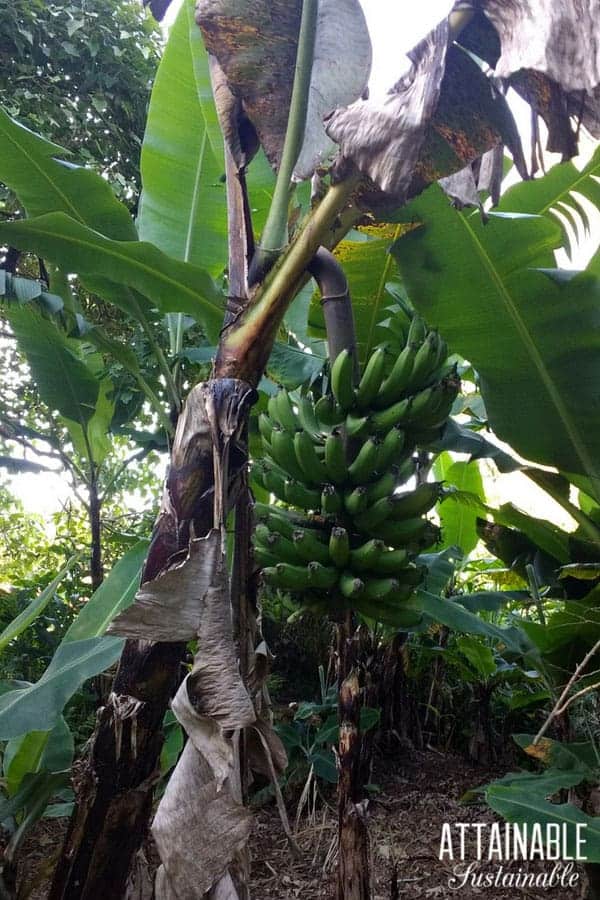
(297, 494)
(378, 588)
(331, 500)
(396, 383)
(406, 469)
(417, 331)
(335, 457)
(339, 547)
(391, 562)
(415, 503)
(351, 586)
(264, 557)
(284, 454)
(442, 352)
(280, 521)
(287, 550)
(328, 413)
(308, 460)
(445, 395)
(375, 515)
(342, 379)
(395, 414)
(372, 377)
(425, 363)
(362, 468)
(322, 577)
(288, 577)
(258, 471)
(383, 487)
(421, 404)
(356, 426)
(308, 418)
(390, 448)
(262, 535)
(274, 482)
(355, 501)
(265, 427)
(272, 408)
(310, 547)
(284, 411)
(404, 532)
(367, 556)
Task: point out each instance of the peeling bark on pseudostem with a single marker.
(116, 785)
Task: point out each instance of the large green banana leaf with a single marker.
(31, 167)
(532, 337)
(84, 652)
(63, 379)
(171, 285)
(183, 208)
(51, 751)
(458, 521)
(38, 706)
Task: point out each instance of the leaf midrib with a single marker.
(22, 151)
(534, 355)
(108, 246)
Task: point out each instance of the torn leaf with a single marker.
(255, 43)
(215, 687)
(556, 37)
(384, 139)
(196, 812)
(206, 736)
(170, 607)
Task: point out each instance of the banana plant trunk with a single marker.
(101, 854)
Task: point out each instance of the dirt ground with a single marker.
(405, 826)
(405, 823)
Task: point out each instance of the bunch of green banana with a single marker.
(346, 534)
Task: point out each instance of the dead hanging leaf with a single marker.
(237, 129)
(556, 37)
(206, 736)
(255, 43)
(547, 51)
(215, 687)
(384, 139)
(195, 811)
(202, 804)
(341, 68)
(170, 607)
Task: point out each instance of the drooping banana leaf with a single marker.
(487, 288)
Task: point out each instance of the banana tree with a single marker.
(284, 78)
